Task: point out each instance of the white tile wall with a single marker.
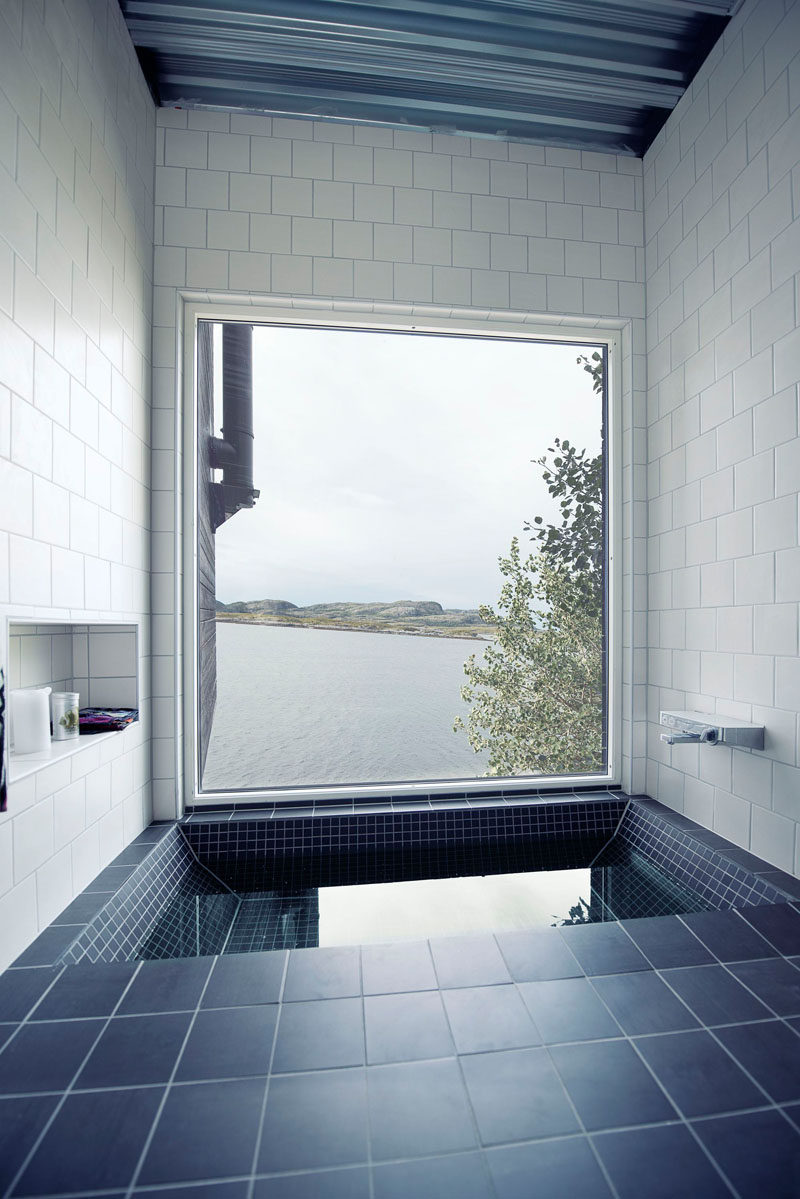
(316, 215)
(722, 223)
(76, 197)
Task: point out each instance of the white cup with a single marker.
(30, 714)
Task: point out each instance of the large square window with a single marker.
(401, 569)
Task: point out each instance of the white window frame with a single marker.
(501, 326)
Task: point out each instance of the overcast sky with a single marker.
(397, 466)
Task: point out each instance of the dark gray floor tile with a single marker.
(205, 1131)
(551, 1169)
(659, 1163)
(229, 1043)
(416, 1109)
(94, 1142)
(642, 1003)
(778, 923)
(21, 989)
(48, 946)
(391, 968)
(349, 1183)
(568, 1010)
(173, 985)
(468, 961)
(6, 1033)
(609, 1085)
(537, 955)
(714, 995)
(323, 974)
(603, 949)
(666, 941)
(489, 1018)
(517, 1096)
(783, 881)
(792, 1112)
(110, 879)
(697, 1075)
(21, 1121)
(406, 1028)
(770, 1052)
(46, 1057)
(135, 1050)
(462, 1176)
(728, 936)
(319, 1034)
(759, 1153)
(244, 979)
(315, 1120)
(90, 989)
(775, 981)
(211, 1190)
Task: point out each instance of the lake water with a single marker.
(311, 706)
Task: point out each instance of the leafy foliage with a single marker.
(535, 694)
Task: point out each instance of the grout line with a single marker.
(260, 1130)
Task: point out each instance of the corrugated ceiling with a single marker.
(566, 72)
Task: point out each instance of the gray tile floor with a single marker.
(644, 1060)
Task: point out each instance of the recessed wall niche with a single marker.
(99, 661)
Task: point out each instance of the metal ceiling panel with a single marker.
(578, 73)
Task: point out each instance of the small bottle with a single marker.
(66, 724)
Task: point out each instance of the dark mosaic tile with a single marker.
(559, 1168)
(135, 1050)
(315, 1120)
(94, 1143)
(517, 1096)
(697, 1074)
(348, 1183)
(634, 1097)
(658, 1163)
(468, 961)
(21, 989)
(320, 1034)
(783, 881)
(229, 1043)
(666, 942)
(759, 1153)
(86, 990)
(173, 985)
(603, 949)
(778, 923)
(419, 1105)
(48, 946)
(463, 1176)
(323, 974)
(770, 1052)
(205, 1131)
(46, 1057)
(729, 937)
(642, 1003)
(407, 1027)
(568, 1010)
(21, 1121)
(245, 979)
(714, 995)
(775, 981)
(537, 955)
(489, 1018)
(399, 967)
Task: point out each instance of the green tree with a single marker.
(535, 694)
